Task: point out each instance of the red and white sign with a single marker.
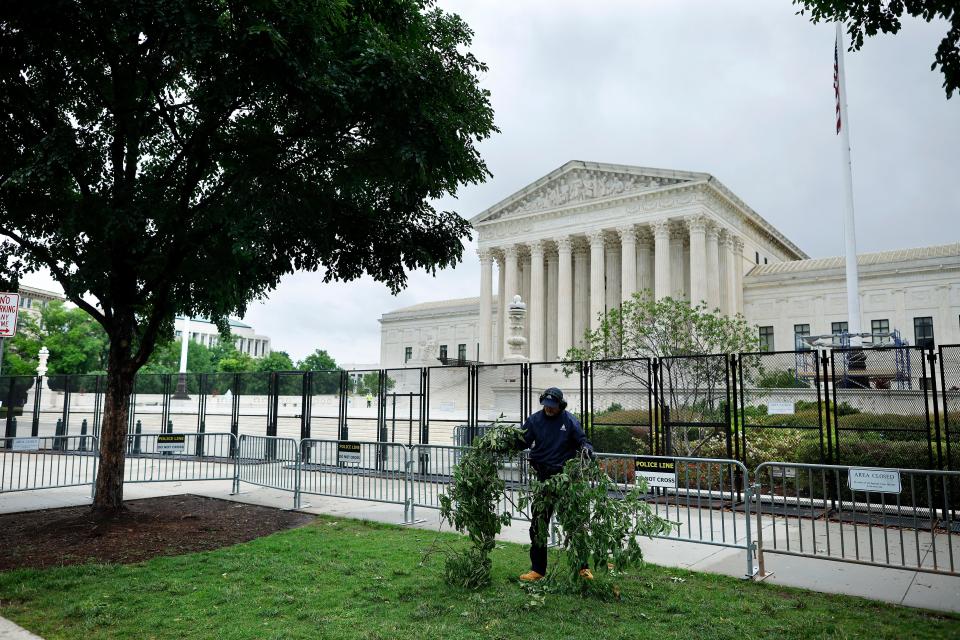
(9, 306)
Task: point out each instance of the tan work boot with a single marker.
(586, 574)
(531, 576)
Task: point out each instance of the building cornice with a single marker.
(708, 192)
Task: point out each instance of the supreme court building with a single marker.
(588, 235)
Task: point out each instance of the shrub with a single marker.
(781, 380)
(619, 439)
(869, 452)
(893, 426)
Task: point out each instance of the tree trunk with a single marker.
(108, 500)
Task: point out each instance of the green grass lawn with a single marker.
(341, 578)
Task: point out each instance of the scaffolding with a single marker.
(855, 372)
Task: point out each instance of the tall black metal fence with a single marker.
(887, 407)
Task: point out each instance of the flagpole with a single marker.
(849, 228)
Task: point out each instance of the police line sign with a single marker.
(171, 443)
(348, 453)
(9, 305)
(656, 471)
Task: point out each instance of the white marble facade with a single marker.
(578, 241)
(587, 236)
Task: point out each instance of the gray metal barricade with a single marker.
(701, 496)
(180, 457)
(359, 470)
(432, 471)
(48, 462)
(899, 518)
(271, 462)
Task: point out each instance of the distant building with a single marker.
(206, 333)
(33, 299)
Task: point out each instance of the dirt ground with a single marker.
(164, 526)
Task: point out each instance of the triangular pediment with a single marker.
(579, 182)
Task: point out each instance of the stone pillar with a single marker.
(661, 257)
(679, 270)
(613, 263)
(713, 267)
(524, 289)
(486, 304)
(738, 273)
(597, 279)
(645, 267)
(511, 282)
(535, 313)
(551, 306)
(728, 286)
(628, 262)
(698, 258)
(501, 307)
(565, 296)
(516, 342)
(581, 292)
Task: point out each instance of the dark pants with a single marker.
(540, 521)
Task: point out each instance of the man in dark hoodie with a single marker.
(553, 435)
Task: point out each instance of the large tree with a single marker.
(165, 157)
(869, 17)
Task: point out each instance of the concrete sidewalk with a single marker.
(897, 586)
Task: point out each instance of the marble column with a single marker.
(728, 284)
(511, 284)
(679, 263)
(535, 306)
(614, 263)
(553, 293)
(661, 257)
(581, 292)
(565, 296)
(697, 225)
(486, 304)
(713, 267)
(628, 262)
(645, 267)
(738, 272)
(597, 279)
(500, 310)
(525, 294)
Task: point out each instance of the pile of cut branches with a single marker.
(599, 520)
(474, 503)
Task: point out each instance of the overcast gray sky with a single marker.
(741, 90)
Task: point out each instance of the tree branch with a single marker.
(43, 255)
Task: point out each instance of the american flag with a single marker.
(836, 77)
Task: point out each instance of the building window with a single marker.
(880, 327)
(756, 255)
(801, 330)
(443, 352)
(923, 331)
(764, 261)
(838, 327)
(461, 352)
(407, 354)
(766, 338)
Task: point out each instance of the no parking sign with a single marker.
(9, 306)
